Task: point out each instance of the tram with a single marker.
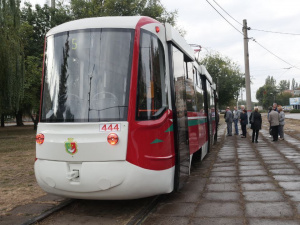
(124, 109)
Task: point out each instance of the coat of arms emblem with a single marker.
(71, 146)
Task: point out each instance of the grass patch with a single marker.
(17, 155)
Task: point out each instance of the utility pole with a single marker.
(247, 72)
(53, 4)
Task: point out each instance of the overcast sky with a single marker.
(206, 27)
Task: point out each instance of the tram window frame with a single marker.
(152, 92)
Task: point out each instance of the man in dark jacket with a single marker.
(244, 122)
(255, 120)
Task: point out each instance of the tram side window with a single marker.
(190, 89)
(208, 94)
(152, 89)
(199, 95)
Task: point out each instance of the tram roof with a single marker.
(204, 72)
(99, 22)
(129, 22)
(174, 36)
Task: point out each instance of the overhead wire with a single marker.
(251, 29)
(274, 54)
(224, 18)
(275, 32)
(228, 14)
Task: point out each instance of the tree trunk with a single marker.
(19, 118)
(35, 120)
(2, 120)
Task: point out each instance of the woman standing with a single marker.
(255, 120)
(244, 122)
(281, 122)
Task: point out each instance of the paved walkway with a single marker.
(238, 183)
(293, 116)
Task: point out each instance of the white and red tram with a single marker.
(124, 108)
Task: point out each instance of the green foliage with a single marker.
(95, 8)
(284, 98)
(295, 111)
(266, 95)
(270, 93)
(283, 85)
(11, 57)
(32, 84)
(226, 74)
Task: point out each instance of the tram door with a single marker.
(180, 119)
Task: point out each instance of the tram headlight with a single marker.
(112, 138)
(157, 29)
(39, 138)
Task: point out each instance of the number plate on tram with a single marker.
(110, 127)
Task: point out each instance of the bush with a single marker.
(295, 111)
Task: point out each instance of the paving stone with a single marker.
(287, 177)
(221, 169)
(295, 195)
(285, 171)
(194, 186)
(224, 164)
(176, 209)
(216, 209)
(258, 186)
(217, 221)
(270, 162)
(249, 163)
(269, 209)
(222, 187)
(295, 186)
(252, 173)
(280, 166)
(251, 167)
(222, 196)
(268, 196)
(255, 179)
(166, 220)
(224, 174)
(192, 197)
(272, 222)
(223, 179)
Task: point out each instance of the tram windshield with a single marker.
(86, 75)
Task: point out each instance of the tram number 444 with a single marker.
(110, 127)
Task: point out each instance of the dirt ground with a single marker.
(17, 154)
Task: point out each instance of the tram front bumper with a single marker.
(101, 180)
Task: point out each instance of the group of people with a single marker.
(235, 117)
(275, 117)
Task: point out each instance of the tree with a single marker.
(11, 59)
(294, 84)
(95, 8)
(267, 94)
(284, 98)
(283, 85)
(226, 74)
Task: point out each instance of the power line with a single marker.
(228, 14)
(224, 17)
(252, 29)
(276, 32)
(274, 54)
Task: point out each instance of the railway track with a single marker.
(129, 212)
